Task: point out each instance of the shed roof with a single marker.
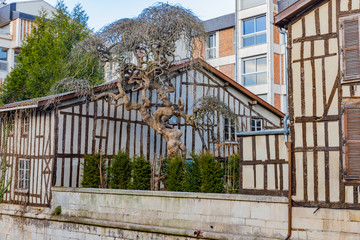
(38, 102)
(294, 11)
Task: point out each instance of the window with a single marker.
(254, 71)
(16, 54)
(229, 130)
(245, 4)
(350, 52)
(25, 125)
(24, 174)
(256, 124)
(352, 142)
(254, 31)
(3, 59)
(211, 46)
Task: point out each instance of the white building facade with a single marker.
(16, 21)
(260, 51)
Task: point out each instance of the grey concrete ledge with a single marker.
(167, 194)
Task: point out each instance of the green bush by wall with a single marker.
(120, 171)
(91, 174)
(141, 173)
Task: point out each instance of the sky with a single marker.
(103, 12)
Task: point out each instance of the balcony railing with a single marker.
(210, 53)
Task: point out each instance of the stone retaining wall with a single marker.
(125, 214)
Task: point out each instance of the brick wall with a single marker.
(277, 101)
(228, 70)
(226, 42)
(277, 73)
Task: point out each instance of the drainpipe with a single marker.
(288, 144)
(236, 42)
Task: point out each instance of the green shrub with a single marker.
(120, 171)
(211, 174)
(141, 173)
(192, 175)
(174, 174)
(232, 172)
(57, 210)
(91, 175)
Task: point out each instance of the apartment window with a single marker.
(229, 130)
(256, 124)
(254, 71)
(16, 54)
(245, 4)
(211, 46)
(3, 59)
(24, 174)
(350, 52)
(254, 31)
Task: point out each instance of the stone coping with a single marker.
(168, 194)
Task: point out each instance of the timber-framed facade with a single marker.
(55, 139)
(322, 99)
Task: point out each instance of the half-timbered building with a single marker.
(46, 146)
(324, 101)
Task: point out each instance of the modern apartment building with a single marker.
(260, 51)
(16, 21)
(221, 43)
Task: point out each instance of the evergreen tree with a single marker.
(120, 171)
(48, 55)
(211, 174)
(141, 174)
(175, 172)
(192, 175)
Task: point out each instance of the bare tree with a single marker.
(144, 49)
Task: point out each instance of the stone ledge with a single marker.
(167, 194)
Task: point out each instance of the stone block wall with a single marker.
(123, 214)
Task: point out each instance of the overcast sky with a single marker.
(103, 12)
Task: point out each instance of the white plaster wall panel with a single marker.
(298, 135)
(309, 134)
(270, 176)
(248, 177)
(308, 87)
(319, 88)
(334, 108)
(296, 30)
(344, 5)
(349, 194)
(320, 128)
(296, 86)
(324, 18)
(319, 49)
(331, 66)
(307, 49)
(260, 176)
(333, 134)
(67, 163)
(355, 4)
(333, 47)
(248, 143)
(260, 143)
(310, 176)
(334, 176)
(285, 178)
(299, 176)
(282, 148)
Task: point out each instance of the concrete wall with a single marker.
(121, 214)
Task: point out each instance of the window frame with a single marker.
(25, 125)
(209, 50)
(229, 130)
(347, 79)
(255, 33)
(243, 74)
(26, 175)
(256, 120)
